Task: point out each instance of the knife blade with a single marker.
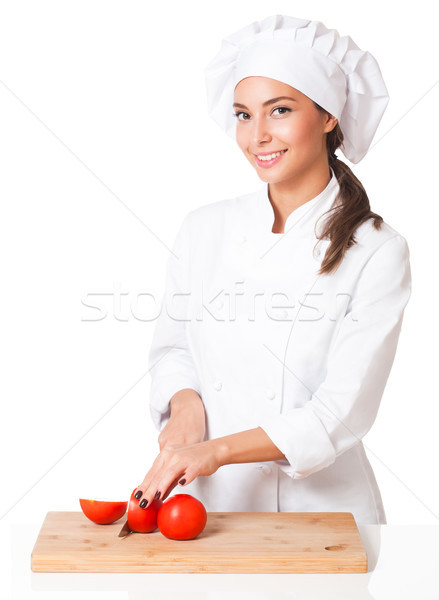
(124, 531)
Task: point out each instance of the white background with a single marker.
(105, 146)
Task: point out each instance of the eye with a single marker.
(284, 109)
(239, 113)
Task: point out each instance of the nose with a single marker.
(260, 133)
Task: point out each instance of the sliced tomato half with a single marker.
(103, 512)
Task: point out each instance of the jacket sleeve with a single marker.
(171, 365)
(343, 408)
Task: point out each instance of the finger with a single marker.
(138, 493)
(187, 478)
(161, 488)
(140, 490)
(172, 486)
(169, 466)
(157, 490)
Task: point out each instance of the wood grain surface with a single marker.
(234, 542)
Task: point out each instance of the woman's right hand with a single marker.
(187, 423)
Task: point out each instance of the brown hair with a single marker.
(351, 209)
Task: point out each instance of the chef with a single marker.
(283, 307)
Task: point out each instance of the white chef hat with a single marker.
(331, 70)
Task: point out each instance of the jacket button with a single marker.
(270, 394)
(217, 385)
(264, 468)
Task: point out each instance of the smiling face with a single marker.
(275, 118)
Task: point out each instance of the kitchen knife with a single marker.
(124, 531)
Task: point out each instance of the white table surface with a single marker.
(403, 563)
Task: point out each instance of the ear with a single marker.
(330, 123)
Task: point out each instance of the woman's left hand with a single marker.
(173, 464)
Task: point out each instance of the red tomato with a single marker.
(182, 517)
(142, 520)
(103, 512)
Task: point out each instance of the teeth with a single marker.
(270, 156)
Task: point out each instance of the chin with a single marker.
(272, 177)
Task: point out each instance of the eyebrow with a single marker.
(268, 102)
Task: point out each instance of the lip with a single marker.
(266, 164)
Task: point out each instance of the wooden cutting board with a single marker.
(232, 542)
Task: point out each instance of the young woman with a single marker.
(283, 307)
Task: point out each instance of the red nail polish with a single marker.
(182, 481)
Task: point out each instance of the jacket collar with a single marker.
(302, 218)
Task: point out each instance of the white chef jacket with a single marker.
(248, 323)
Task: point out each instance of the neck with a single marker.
(286, 196)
